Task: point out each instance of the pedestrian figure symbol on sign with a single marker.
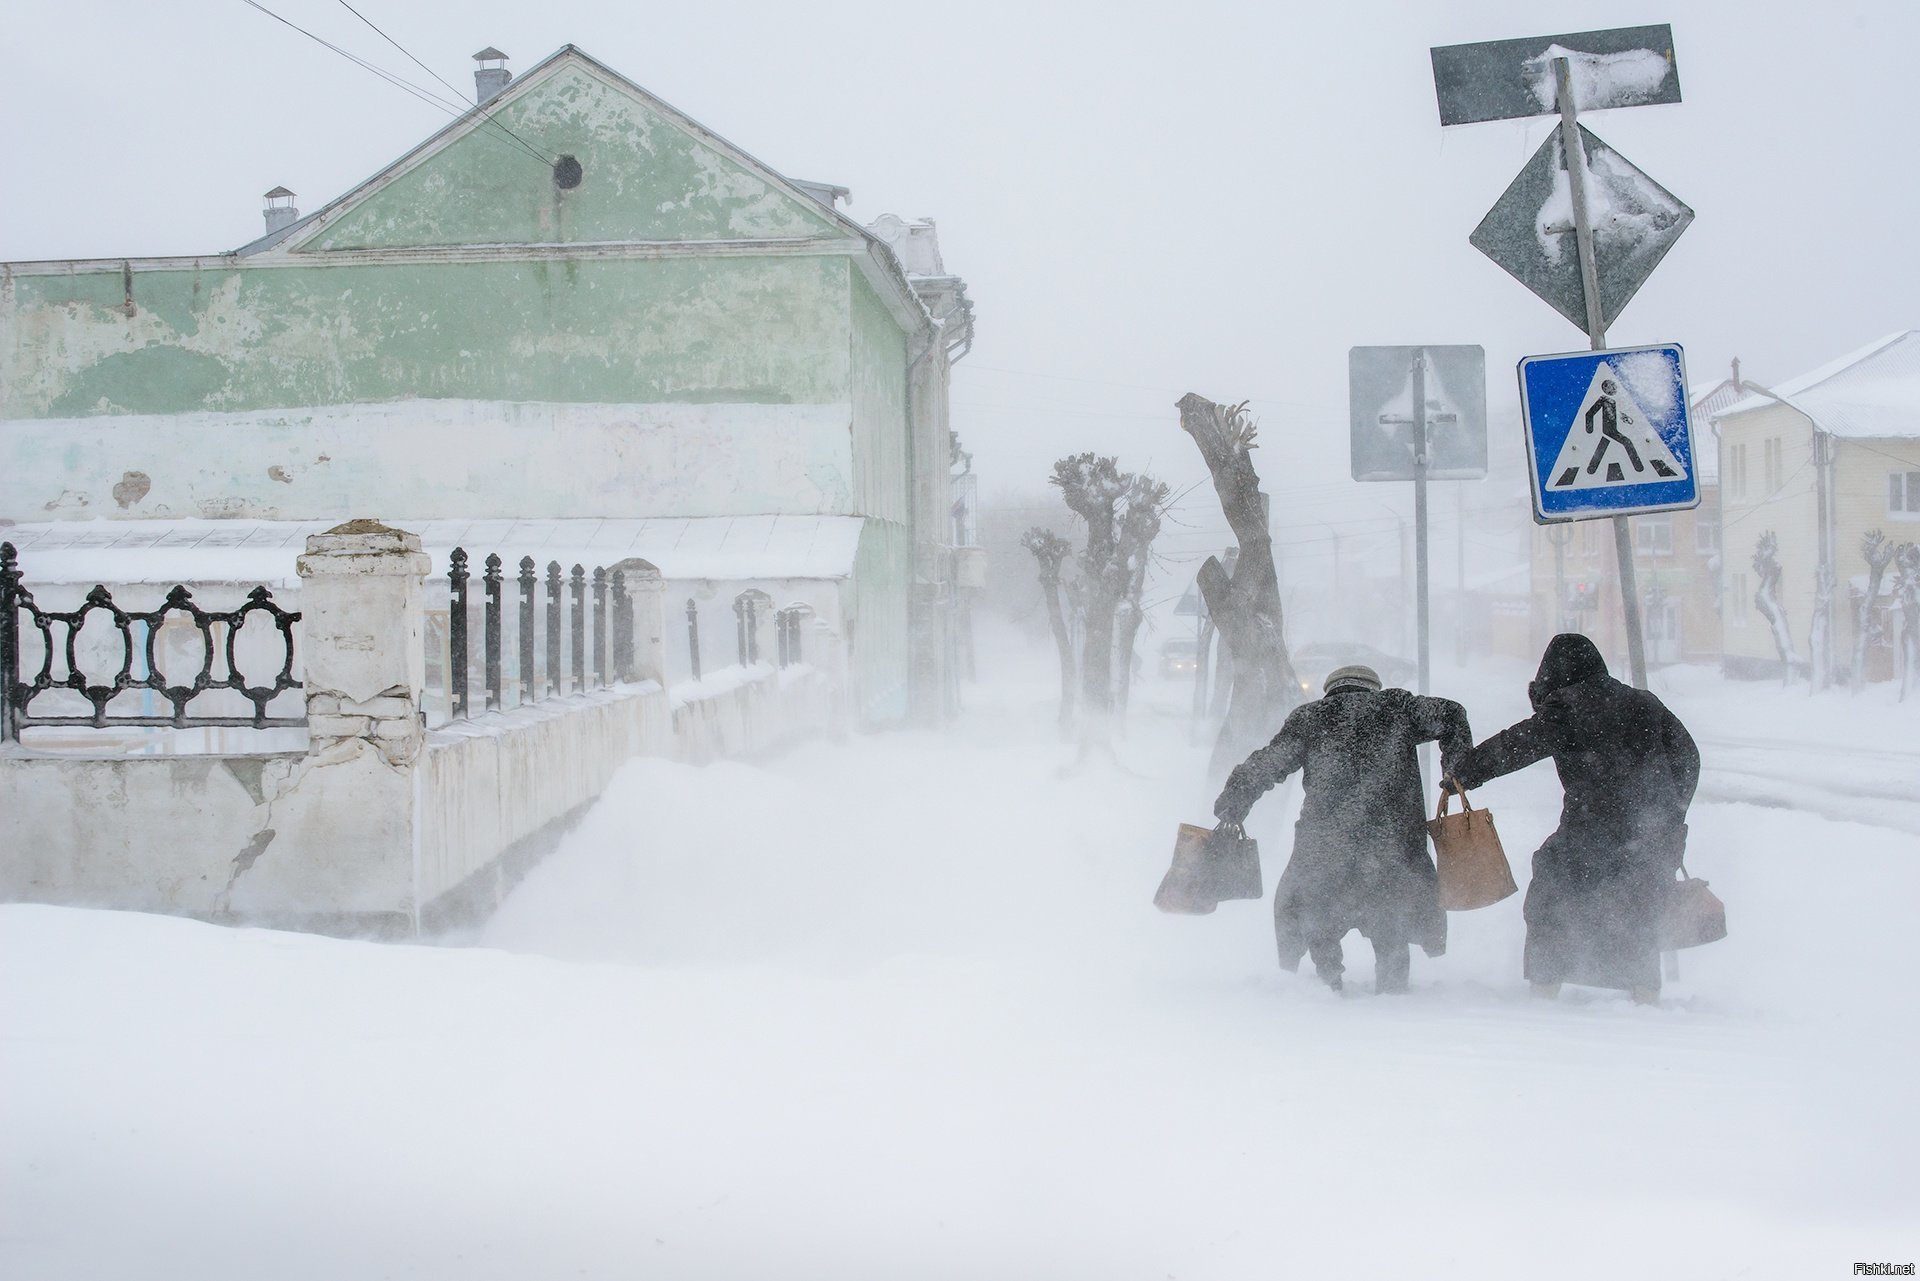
(1611, 441)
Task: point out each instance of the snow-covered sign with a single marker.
(1380, 398)
(1608, 432)
(1508, 79)
(1530, 230)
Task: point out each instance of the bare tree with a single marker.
(1140, 525)
(1766, 599)
(1878, 551)
(1906, 595)
(1244, 603)
(1122, 515)
(1050, 552)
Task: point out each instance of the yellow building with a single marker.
(1676, 566)
(1818, 462)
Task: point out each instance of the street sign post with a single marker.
(1608, 433)
(1418, 413)
(1608, 206)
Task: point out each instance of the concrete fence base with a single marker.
(381, 826)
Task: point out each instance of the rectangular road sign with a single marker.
(1508, 79)
(1380, 401)
(1608, 432)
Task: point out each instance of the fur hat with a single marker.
(1354, 675)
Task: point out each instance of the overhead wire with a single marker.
(424, 95)
(486, 115)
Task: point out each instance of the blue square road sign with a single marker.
(1608, 433)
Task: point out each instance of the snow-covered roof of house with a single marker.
(727, 548)
(1869, 394)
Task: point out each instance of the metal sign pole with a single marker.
(1420, 508)
(1576, 161)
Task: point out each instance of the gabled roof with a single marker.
(1869, 394)
(785, 219)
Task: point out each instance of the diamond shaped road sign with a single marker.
(1608, 432)
(1529, 230)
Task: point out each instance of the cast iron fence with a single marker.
(78, 665)
(605, 630)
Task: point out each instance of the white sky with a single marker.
(1144, 199)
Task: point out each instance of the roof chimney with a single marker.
(1737, 384)
(491, 76)
(280, 211)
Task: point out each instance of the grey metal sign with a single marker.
(1509, 79)
(1530, 229)
(1387, 420)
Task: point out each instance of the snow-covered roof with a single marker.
(1869, 394)
(732, 548)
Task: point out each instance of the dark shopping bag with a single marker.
(1472, 865)
(1693, 914)
(1210, 866)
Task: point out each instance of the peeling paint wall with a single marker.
(755, 330)
(643, 178)
(433, 459)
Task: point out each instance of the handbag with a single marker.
(1471, 863)
(1692, 914)
(1210, 866)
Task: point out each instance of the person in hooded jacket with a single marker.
(1628, 769)
(1360, 856)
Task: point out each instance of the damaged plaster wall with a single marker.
(433, 459)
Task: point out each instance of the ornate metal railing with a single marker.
(605, 629)
(116, 660)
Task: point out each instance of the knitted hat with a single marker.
(1354, 675)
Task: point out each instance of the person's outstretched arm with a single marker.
(1444, 721)
(1266, 767)
(1515, 747)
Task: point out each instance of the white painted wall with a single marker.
(434, 459)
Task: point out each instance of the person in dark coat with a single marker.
(1360, 848)
(1628, 768)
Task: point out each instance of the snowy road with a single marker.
(1860, 784)
(899, 1007)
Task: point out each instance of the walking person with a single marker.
(1360, 856)
(1628, 768)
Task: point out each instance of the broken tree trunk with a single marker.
(1244, 603)
(1050, 552)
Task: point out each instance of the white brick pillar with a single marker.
(647, 592)
(363, 614)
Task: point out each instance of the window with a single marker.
(1737, 471)
(1706, 532)
(1903, 494)
(1653, 535)
(1772, 465)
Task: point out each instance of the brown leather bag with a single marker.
(1693, 915)
(1210, 865)
(1472, 865)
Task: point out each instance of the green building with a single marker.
(573, 304)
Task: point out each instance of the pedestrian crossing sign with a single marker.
(1607, 433)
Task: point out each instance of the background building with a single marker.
(1818, 461)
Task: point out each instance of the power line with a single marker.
(484, 113)
(426, 96)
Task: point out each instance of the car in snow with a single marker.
(1179, 657)
(1312, 664)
